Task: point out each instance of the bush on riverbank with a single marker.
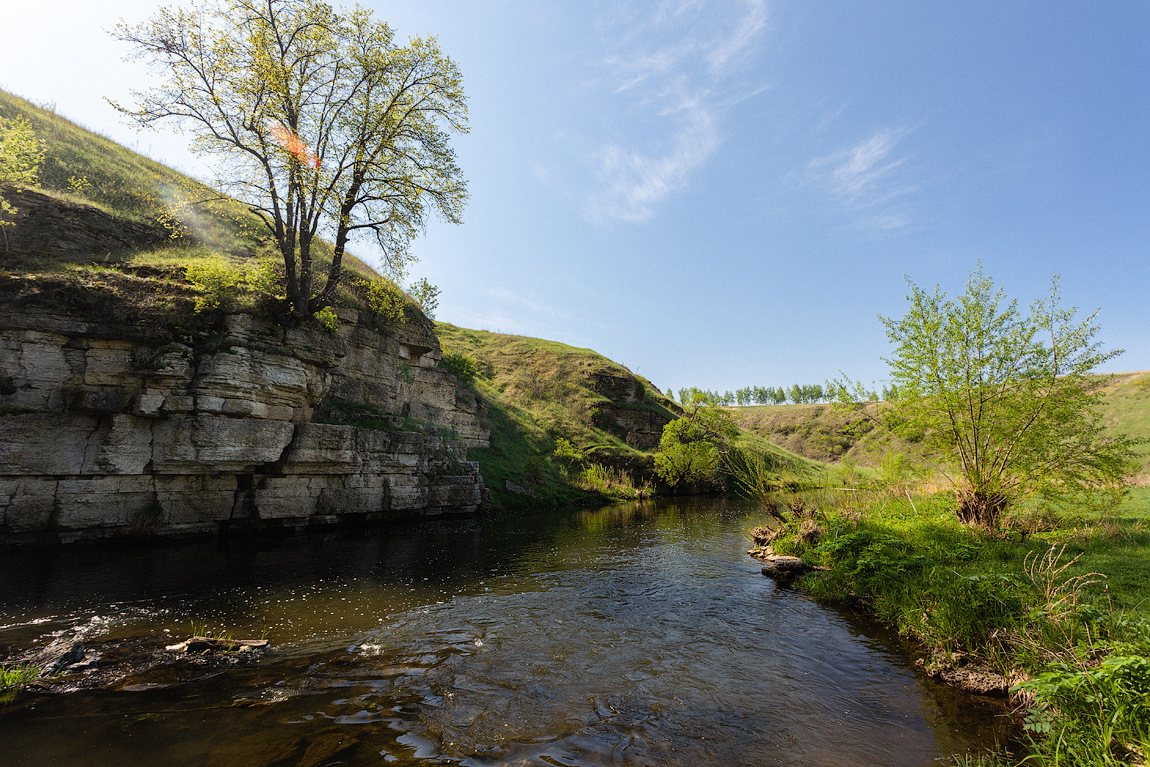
(1062, 615)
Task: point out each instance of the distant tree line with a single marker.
(797, 394)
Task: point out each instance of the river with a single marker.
(638, 634)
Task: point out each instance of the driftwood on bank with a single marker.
(199, 645)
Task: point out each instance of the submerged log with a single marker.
(218, 645)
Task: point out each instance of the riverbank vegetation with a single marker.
(1053, 607)
(15, 678)
(1012, 551)
(846, 437)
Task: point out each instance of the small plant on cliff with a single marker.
(383, 299)
(464, 368)
(327, 318)
(20, 156)
(219, 282)
(79, 184)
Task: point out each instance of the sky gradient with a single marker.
(727, 194)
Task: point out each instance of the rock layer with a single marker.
(108, 430)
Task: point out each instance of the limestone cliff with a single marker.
(106, 430)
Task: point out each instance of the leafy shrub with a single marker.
(1086, 715)
(464, 368)
(384, 300)
(265, 275)
(328, 319)
(426, 295)
(567, 452)
(218, 281)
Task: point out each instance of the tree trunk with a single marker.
(980, 507)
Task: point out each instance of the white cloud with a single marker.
(746, 32)
(680, 70)
(636, 182)
(866, 178)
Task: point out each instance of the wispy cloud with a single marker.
(746, 33)
(679, 68)
(866, 178)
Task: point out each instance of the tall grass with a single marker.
(13, 679)
(613, 483)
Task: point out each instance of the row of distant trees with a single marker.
(797, 394)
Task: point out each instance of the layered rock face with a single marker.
(626, 417)
(106, 431)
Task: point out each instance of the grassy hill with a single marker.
(148, 224)
(540, 392)
(826, 433)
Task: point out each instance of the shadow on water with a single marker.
(638, 634)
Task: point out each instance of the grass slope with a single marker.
(542, 391)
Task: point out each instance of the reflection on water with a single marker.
(637, 635)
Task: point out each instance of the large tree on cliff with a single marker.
(321, 123)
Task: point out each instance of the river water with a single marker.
(637, 634)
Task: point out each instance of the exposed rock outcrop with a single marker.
(108, 430)
(44, 223)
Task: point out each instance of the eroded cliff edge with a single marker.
(112, 430)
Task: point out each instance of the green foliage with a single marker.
(78, 185)
(220, 283)
(384, 300)
(356, 139)
(613, 483)
(565, 451)
(264, 276)
(692, 448)
(426, 295)
(21, 153)
(15, 678)
(327, 318)
(464, 368)
(757, 395)
(1082, 712)
(1002, 397)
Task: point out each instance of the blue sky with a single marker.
(725, 194)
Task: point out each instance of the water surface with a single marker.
(632, 635)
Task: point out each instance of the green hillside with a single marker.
(826, 433)
(540, 392)
(1126, 403)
